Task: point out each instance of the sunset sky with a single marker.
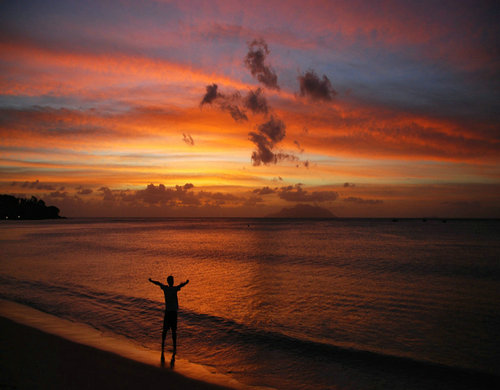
(240, 108)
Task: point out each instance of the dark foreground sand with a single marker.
(31, 359)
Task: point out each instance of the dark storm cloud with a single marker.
(315, 88)
(187, 139)
(281, 156)
(297, 194)
(253, 200)
(181, 196)
(210, 95)
(264, 153)
(264, 191)
(84, 191)
(353, 199)
(108, 195)
(274, 129)
(35, 185)
(163, 195)
(230, 105)
(256, 102)
(58, 194)
(269, 133)
(219, 198)
(255, 61)
(235, 104)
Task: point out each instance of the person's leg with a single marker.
(173, 324)
(163, 335)
(164, 332)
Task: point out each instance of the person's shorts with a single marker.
(170, 320)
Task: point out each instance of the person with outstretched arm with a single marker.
(171, 307)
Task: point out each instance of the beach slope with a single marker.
(32, 359)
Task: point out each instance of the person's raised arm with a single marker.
(155, 282)
(183, 284)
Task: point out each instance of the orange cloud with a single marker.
(342, 130)
(60, 72)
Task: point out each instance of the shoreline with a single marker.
(38, 350)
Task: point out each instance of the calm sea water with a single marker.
(291, 304)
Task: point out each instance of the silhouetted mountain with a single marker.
(303, 211)
(20, 208)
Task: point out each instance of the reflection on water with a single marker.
(406, 289)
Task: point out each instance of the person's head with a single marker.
(170, 280)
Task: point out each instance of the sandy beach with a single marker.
(32, 359)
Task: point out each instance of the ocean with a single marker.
(286, 304)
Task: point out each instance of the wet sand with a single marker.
(32, 359)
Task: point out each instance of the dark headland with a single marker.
(21, 208)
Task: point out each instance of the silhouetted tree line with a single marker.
(21, 208)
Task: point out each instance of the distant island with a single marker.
(21, 208)
(302, 211)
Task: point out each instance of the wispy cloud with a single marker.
(256, 62)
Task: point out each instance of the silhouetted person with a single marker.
(171, 307)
